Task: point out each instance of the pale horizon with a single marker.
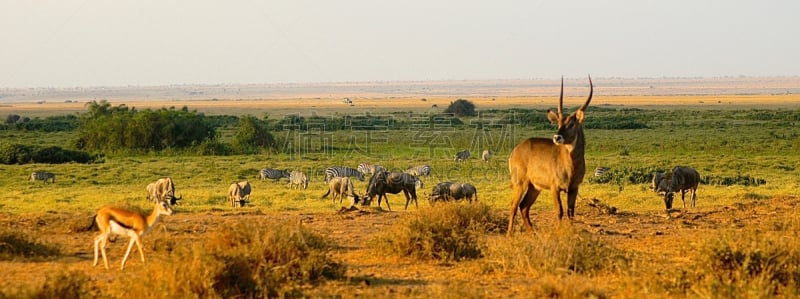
(92, 43)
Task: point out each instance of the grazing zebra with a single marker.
(462, 156)
(274, 174)
(370, 169)
(43, 176)
(600, 171)
(422, 170)
(487, 154)
(298, 178)
(341, 171)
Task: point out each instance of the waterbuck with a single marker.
(555, 164)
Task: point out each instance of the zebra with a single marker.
(487, 154)
(298, 178)
(274, 174)
(342, 171)
(462, 156)
(370, 169)
(43, 176)
(600, 171)
(422, 170)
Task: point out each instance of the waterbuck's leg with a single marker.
(526, 204)
(694, 196)
(408, 199)
(518, 190)
(557, 202)
(572, 196)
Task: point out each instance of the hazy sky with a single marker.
(65, 43)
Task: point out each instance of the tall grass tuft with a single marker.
(752, 264)
(249, 259)
(17, 244)
(73, 284)
(446, 232)
(563, 249)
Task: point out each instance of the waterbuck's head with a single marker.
(571, 126)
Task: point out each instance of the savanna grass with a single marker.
(446, 232)
(20, 245)
(250, 259)
(561, 250)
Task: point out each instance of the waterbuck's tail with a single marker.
(91, 225)
(326, 193)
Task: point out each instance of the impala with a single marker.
(555, 164)
(119, 221)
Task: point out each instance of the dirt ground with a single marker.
(647, 232)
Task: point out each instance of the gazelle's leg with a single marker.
(139, 246)
(127, 252)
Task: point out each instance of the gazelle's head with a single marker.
(163, 208)
(568, 126)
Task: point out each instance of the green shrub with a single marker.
(461, 107)
(23, 154)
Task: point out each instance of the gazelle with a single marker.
(555, 164)
(113, 220)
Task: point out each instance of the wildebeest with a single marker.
(366, 168)
(682, 179)
(43, 176)
(461, 156)
(486, 155)
(239, 193)
(341, 187)
(298, 178)
(273, 174)
(342, 171)
(447, 191)
(556, 164)
(162, 189)
(391, 182)
(418, 171)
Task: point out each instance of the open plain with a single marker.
(741, 241)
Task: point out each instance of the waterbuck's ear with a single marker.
(579, 115)
(552, 116)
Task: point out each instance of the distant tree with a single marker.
(12, 118)
(461, 107)
(252, 134)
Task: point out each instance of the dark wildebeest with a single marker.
(239, 193)
(162, 189)
(682, 179)
(461, 156)
(391, 182)
(447, 191)
(555, 164)
(43, 176)
(341, 187)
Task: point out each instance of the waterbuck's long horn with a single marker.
(591, 91)
(561, 99)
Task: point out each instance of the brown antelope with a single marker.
(113, 220)
(555, 164)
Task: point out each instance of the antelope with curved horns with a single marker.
(113, 220)
(555, 164)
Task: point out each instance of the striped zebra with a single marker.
(273, 174)
(342, 171)
(43, 176)
(422, 170)
(298, 178)
(462, 156)
(600, 171)
(370, 169)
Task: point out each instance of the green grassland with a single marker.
(759, 144)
